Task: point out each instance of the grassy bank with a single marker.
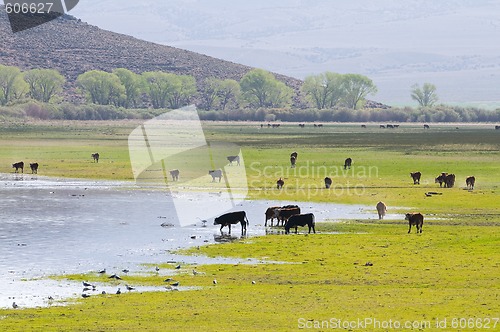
(447, 272)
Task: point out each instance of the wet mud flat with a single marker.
(54, 226)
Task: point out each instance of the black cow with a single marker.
(347, 163)
(294, 154)
(382, 126)
(390, 126)
(293, 160)
(426, 126)
(300, 220)
(441, 179)
(95, 157)
(301, 125)
(17, 166)
(328, 182)
(497, 127)
(175, 174)
(34, 168)
(416, 219)
(449, 181)
(280, 183)
(363, 126)
(234, 158)
(232, 218)
(470, 181)
(416, 177)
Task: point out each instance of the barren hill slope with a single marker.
(74, 47)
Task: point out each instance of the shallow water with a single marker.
(58, 226)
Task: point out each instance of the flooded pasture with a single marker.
(60, 226)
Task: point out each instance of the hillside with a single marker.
(74, 47)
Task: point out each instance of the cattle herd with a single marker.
(34, 166)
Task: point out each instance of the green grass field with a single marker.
(450, 271)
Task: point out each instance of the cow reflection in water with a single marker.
(226, 238)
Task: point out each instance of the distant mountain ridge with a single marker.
(74, 47)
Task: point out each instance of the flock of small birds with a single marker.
(87, 287)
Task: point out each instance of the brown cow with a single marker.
(470, 181)
(416, 177)
(175, 174)
(416, 219)
(280, 183)
(286, 212)
(271, 214)
(381, 209)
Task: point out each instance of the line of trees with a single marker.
(156, 89)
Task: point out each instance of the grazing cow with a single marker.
(232, 218)
(328, 182)
(497, 127)
(17, 166)
(301, 125)
(381, 210)
(470, 181)
(320, 125)
(416, 177)
(234, 158)
(390, 126)
(215, 173)
(426, 126)
(268, 125)
(271, 213)
(300, 220)
(396, 126)
(261, 125)
(95, 157)
(294, 154)
(34, 168)
(449, 181)
(441, 179)
(292, 161)
(280, 183)
(347, 163)
(416, 219)
(174, 174)
(315, 125)
(382, 126)
(363, 126)
(276, 125)
(286, 212)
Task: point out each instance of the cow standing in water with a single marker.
(381, 210)
(17, 166)
(347, 163)
(232, 218)
(34, 168)
(416, 177)
(416, 219)
(95, 157)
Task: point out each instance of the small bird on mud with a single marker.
(85, 295)
(215, 282)
(102, 271)
(157, 269)
(125, 270)
(175, 284)
(178, 267)
(129, 288)
(115, 276)
(168, 280)
(118, 291)
(14, 305)
(86, 284)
